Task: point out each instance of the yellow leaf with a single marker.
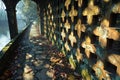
(71, 77)
(67, 46)
(88, 46)
(115, 60)
(72, 62)
(67, 25)
(100, 72)
(63, 15)
(67, 3)
(116, 8)
(103, 42)
(85, 74)
(113, 34)
(72, 39)
(78, 55)
(90, 11)
(73, 13)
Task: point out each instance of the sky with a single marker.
(2, 6)
(4, 28)
(2, 11)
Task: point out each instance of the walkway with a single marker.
(39, 60)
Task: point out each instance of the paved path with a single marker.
(34, 62)
(38, 60)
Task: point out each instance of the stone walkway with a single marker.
(39, 60)
(34, 62)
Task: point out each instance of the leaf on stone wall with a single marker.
(72, 62)
(106, 0)
(90, 11)
(47, 12)
(55, 37)
(100, 72)
(88, 46)
(80, 28)
(85, 74)
(50, 10)
(63, 15)
(67, 25)
(78, 55)
(52, 17)
(60, 24)
(103, 41)
(63, 34)
(104, 32)
(73, 12)
(72, 39)
(113, 34)
(67, 46)
(51, 23)
(49, 6)
(67, 3)
(116, 8)
(54, 25)
(79, 2)
(115, 60)
(48, 17)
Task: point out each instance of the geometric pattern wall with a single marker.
(88, 33)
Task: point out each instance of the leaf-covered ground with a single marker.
(39, 60)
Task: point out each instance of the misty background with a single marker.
(26, 12)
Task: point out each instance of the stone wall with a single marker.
(88, 33)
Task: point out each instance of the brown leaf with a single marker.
(96, 31)
(88, 46)
(115, 60)
(54, 60)
(63, 15)
(79, 27)
(67, 46)
(103, 41)
(71, 77)
(90, 11)
(73, 13)
(67, 25)
(100, 72)
(105, 23)
(67, 3)
(78, 55)
(72, 39)
(87, 52)
(113, 34)
(63, 34)
(80, 3)
(116, 8)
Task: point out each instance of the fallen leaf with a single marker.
(71, 77)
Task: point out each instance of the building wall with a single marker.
(88, 33)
